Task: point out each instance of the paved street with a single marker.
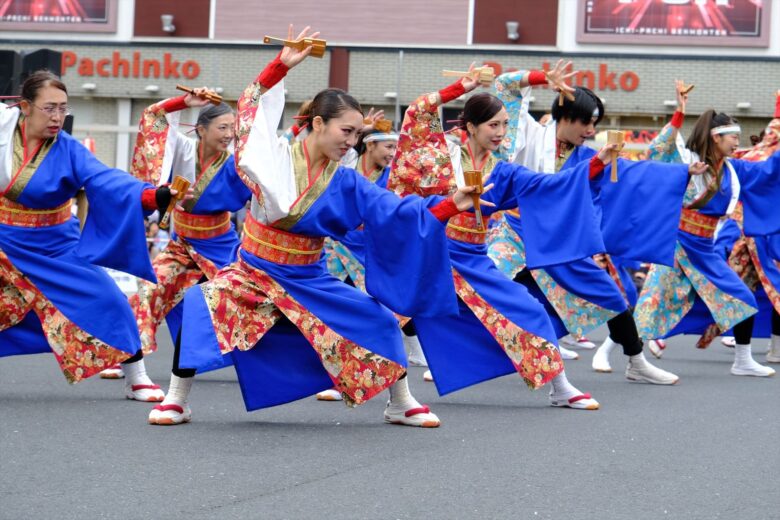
(707, 448)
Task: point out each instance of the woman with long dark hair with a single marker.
(586, 293)
(500, 328)
(292, 328)
(701, 288)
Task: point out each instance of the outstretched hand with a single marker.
(605, 154)
(292, 57)
(371, 118)
(697, 168)
(471, 81)
(682, 95)
(198, 97)
(557, 77)
(463, 201)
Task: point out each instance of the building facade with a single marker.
(388, 55)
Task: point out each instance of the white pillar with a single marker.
(123, 114)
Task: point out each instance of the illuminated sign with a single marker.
(675, 22)
(58, 15)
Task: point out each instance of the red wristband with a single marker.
(148, 200)
(445, 209)
(596, 167)
(452, 92)
(537, 77)
(777, 107)
(677, 119)
(173, 104)
(273, 73)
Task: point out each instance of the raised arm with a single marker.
(667, 145)
(422, 164)
(263, 160)
(159, 147)
(513, 88)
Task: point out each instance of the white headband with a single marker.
(726, 129)
(596, 113)
(380, 136)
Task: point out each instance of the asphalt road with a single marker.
(707, 448)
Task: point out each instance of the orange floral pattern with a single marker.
(148, 153)
(744, 261)
(422, 163)
(535, 359)
(79, 354)
(178, 267)
(245, 302)
(246, 109)
(463, 227)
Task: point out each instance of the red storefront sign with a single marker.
(600, 79)
(136, 66)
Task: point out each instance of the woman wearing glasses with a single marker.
(53, 295)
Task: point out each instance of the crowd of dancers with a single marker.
(365, 250)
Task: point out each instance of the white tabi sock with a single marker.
(562, 387)
(401, 397)
(135, 373)
(179, 390)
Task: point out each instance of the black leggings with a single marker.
(182, 372)
(409, 329)
(622, 328)
(743, 331)
(775, 323)
(138, 356)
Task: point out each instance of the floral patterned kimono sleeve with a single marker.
(159, 148)
(759, 192)
(422, 164)
(768, 145)
(668, 146)
(263, 159)
(509, 89)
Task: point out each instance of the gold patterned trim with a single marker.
(20, 182)
(309, 191)
(203, 179)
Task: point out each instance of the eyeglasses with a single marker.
(50, 110)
